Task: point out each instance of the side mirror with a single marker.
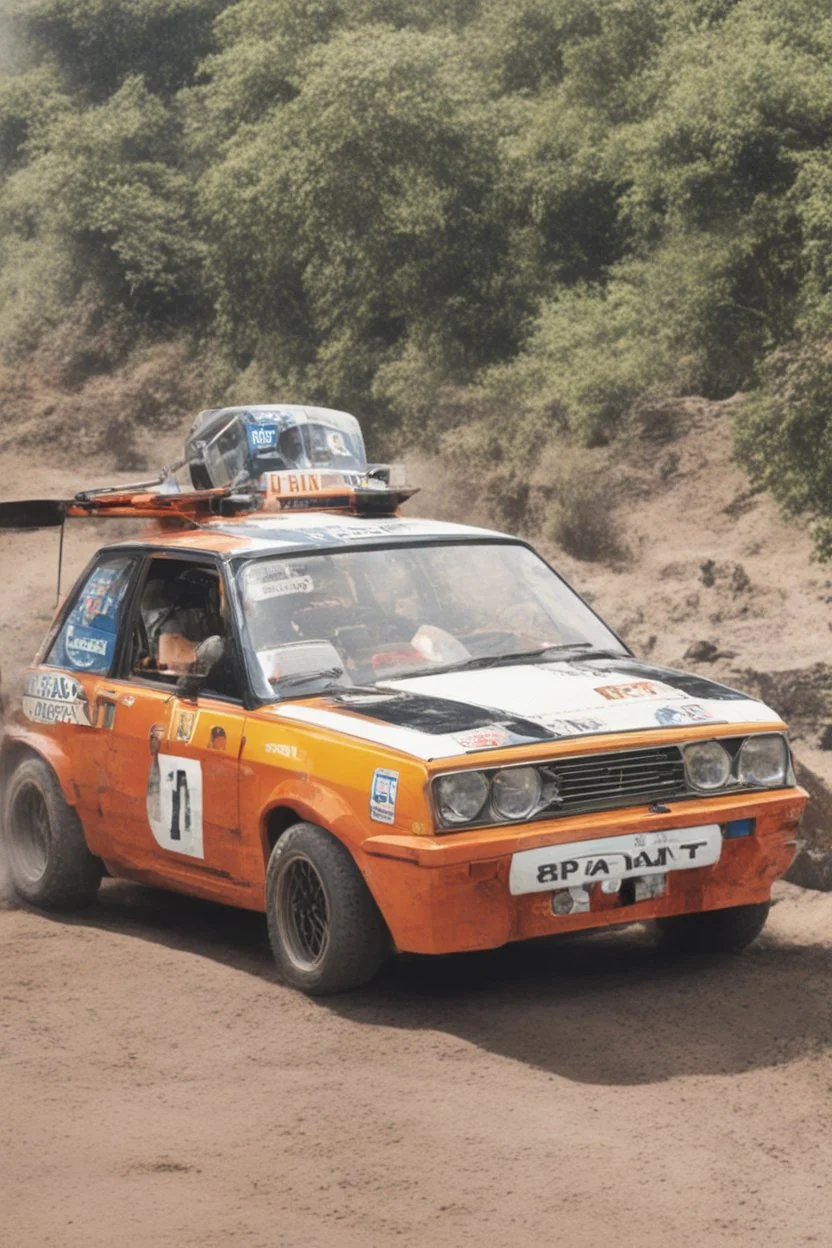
(207, 656)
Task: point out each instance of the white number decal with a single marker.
(174, 803)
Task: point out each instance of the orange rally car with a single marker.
(387, 733)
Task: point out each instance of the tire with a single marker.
(326, 931)
(48, 859)
(713, 931)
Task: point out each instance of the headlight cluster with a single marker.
(515, 794)
(511, 793)
(762, 762)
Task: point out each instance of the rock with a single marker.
(707, 652)
(816, 825)
(811, 869)
(825, 738)
(702, 652)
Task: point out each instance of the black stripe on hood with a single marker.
(438, 716)
(699, 687)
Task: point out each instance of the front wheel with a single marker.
(325, 929)
(48, 858)
(713, 931)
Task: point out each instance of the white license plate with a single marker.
(581, 863)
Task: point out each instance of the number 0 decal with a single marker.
(174, 803)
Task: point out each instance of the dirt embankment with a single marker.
(687, 564)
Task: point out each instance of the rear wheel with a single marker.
(713, 931)
(325, 929)
(49, 862)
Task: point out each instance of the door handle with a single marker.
(105, 708)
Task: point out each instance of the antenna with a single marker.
(60, 563)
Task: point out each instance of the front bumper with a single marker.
(450, 893)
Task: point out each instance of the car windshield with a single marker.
(361, 617)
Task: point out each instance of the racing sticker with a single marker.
(264, 582)
(56, 699)
(584, 863)
(185, 721)
(684, 713)
(636, 689)
(490, 738)
(575, 727)
(174, 804)
(86, 648)
(383, 796)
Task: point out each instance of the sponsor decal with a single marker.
(288, 483)
(217, 739)
(174, 804)
(484, 738)
(341, 533)
(635, 689)
(185, 721)
(684, 713)
(576, 726)
(56, 699)
(584, 863)
(262, 437)
(383, 796)
(279, 747)
(275, 581)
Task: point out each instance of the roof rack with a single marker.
(354, 493)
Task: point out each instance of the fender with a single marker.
(316, 803)
(48, 749)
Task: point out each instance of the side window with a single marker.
(180, 606)
(86, 641)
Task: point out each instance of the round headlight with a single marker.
(515, 792)
(461, 797)
(764, 761)
(708, 765)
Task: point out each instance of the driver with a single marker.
(190, 611)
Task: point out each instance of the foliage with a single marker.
(784, 433)
(440, 212)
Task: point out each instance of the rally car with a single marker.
(386, 733)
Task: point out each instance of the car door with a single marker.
(172, 764)
(63, 693)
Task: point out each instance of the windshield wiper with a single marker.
(496, 660)
(303, 678)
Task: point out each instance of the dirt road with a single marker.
(158, 1088)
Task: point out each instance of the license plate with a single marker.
(582, 863)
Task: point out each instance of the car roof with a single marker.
(306, 530)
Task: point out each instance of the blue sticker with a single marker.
(88, 639)
(88, 649)
(383, 796)
(686, 713)
(261, 437)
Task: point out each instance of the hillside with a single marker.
(550, 213)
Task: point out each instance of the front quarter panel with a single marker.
(355, 789)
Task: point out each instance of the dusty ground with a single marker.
(157, 1087)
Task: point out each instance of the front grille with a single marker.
(624, 778)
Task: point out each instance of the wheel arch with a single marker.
(15, 748)
(291, 805)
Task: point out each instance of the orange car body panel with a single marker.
(439, 892)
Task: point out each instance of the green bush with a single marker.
(784, 434)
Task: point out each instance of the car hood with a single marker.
(453, 713)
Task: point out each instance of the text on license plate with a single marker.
(614, 858)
